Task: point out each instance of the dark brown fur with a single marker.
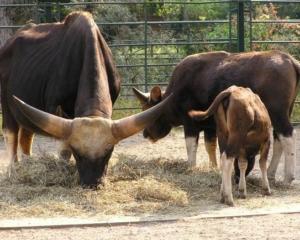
(199, 78)
(65, 64)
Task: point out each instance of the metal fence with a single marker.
(147, 44)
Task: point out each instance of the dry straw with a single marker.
(47, 186)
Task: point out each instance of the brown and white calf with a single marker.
(243, 128)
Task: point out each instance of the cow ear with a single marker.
(155, 94)
(142, 97)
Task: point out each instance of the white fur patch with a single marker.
(11, 141)
(226, 188)
(277, 153)
(289, 149)
(191, 147)
(277, 59)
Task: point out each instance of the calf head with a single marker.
(160, 127)
(91, 139)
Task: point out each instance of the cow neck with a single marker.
(93, 94)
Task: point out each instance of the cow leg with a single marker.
(250, 166)
(10, 132)
(287, 137)
(11, 142)
(226, 187)
(289, 149)
(277, 153)
(191, 141)
(243, 163)
(263, 167)
(25, 141)
(65, 152)
(210, 140)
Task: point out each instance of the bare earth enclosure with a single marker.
(145, 182)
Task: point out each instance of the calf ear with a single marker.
(142, 97)
(155, 94)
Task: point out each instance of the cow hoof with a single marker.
(227, 200)
(266, 192)
(11, 171)
(241, 194)
(213, 166)
(288, 180)
(271, 176)
(65, 155)
(230, 203)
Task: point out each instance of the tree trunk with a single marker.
(5, 33)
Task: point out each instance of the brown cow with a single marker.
(199, 78)
(243, 128)
(67, 65)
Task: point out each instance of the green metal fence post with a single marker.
(146, 45)
(230, 26)
(58, 6)
(48, 13)
(240, 26)
(36, 13)
(251, 20)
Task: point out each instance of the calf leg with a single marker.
(277, 153)
(250, 166)
(191, 140)
(226, 187)
(210, 140)
(25, 140)
(263, 167)
(242, 162)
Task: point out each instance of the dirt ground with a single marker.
(274, 226)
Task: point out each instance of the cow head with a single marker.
(160, 127)
(91, 139)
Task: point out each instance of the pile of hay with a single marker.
(45, 170)
(47, 186)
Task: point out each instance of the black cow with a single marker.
(199, 78)
(66, 65)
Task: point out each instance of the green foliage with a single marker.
(275, 31)
(167, 44)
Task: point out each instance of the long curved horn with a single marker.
(128, 126)
(142, 97)
(55, 126)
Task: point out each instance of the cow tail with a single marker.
(201, 115)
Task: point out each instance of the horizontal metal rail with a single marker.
(131, 2)
(149, 65)
(143, 22)
(169, 44)
(166, 22)
(271, 1)
(149, 3)
(276, 21)
(275, 41)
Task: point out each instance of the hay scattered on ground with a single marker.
(48, 186)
